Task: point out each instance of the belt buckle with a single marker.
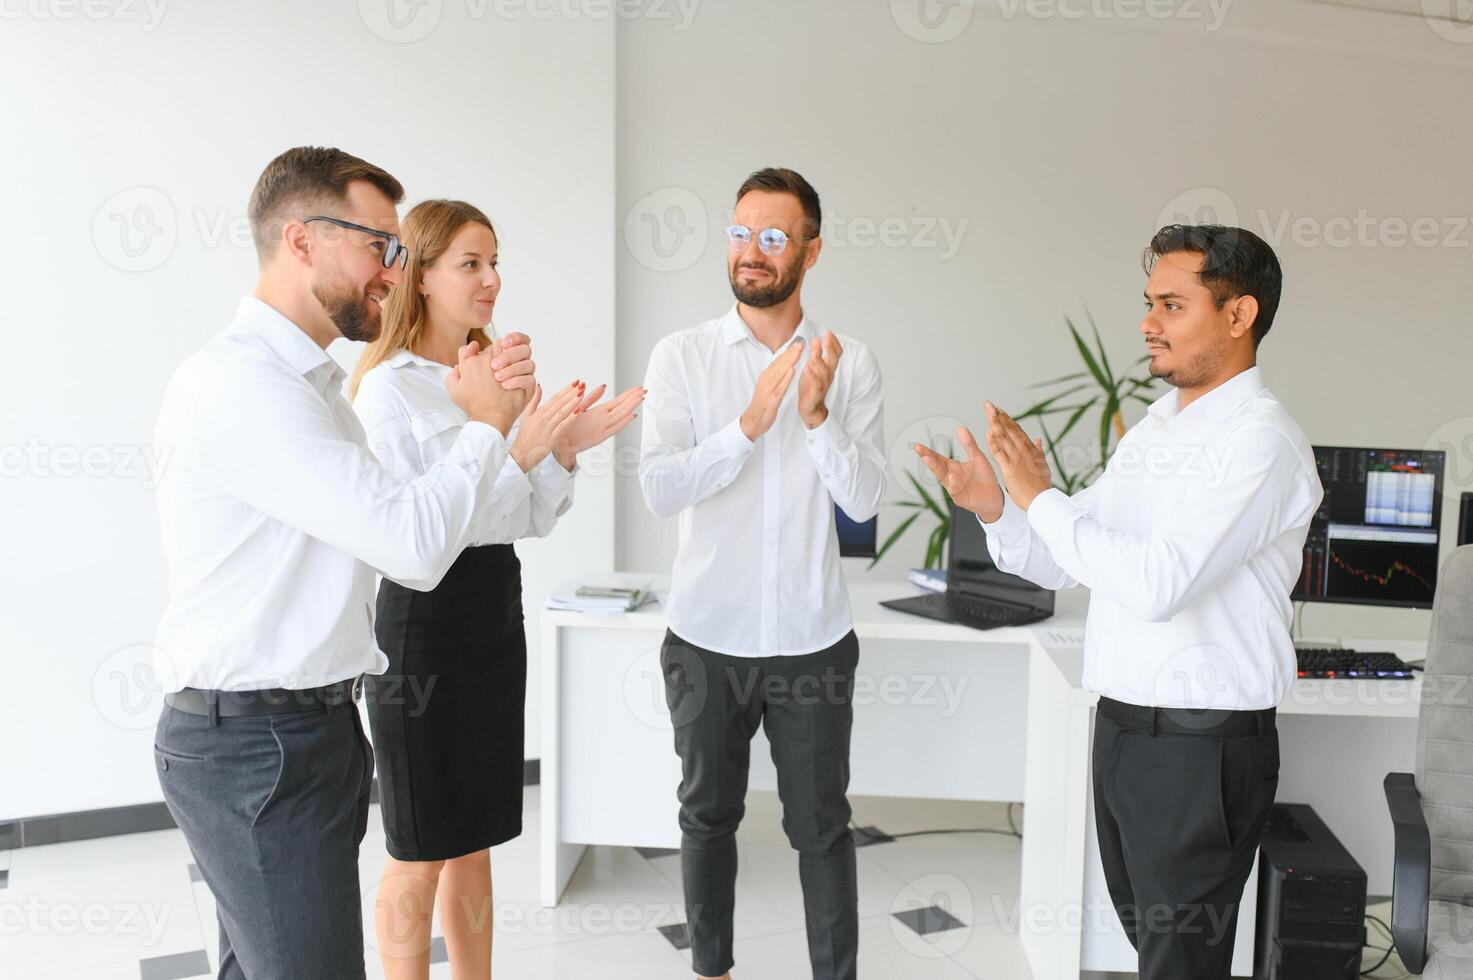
(358, 689)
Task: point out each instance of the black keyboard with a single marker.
(966, 610)
(1339, 662)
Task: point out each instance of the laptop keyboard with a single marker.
(967, 609)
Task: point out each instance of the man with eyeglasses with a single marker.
(755, 426)
(275, 516)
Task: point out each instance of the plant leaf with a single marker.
(1057, 381)
(900, 529)
(1089, 359)
(1100, 344)
(930, 500)
(1075, 417)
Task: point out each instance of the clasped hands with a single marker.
(972, 482)
(813, 387)
(499, 387)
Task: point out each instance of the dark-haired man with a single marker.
(275, 516)
(760, 623)
(1190, 543)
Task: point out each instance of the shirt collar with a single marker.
(734, 329)
(289, 342)
(404, 356)
(1218, 404)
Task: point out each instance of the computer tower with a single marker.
(1311, 901)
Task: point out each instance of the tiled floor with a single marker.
(931, 906)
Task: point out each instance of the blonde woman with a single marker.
(447, 717)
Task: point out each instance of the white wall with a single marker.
(1057, 145)
(1048, 147)
(515, 115)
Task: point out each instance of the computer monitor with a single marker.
(1374, 539)
(1465, 519)
(969, 568)
(856, 538)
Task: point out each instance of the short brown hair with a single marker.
(308, 175)
(785, 181)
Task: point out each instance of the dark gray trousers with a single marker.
(1180, 817)
(805, 706)
(273, 808)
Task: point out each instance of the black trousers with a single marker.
(805, 706)
(1181, 802)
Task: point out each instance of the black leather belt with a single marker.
(1189, 721)
(270, 701)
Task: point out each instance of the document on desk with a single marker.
(609, 594)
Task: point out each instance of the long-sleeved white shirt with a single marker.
(412, 425)
(275, 515)
(757, 568)
(1190, 543)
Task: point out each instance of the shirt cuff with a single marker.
(475, 449)
(1011, 525)
(1052, 512)
(733, 441)
(551, 477)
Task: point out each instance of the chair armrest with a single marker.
(1412, 874)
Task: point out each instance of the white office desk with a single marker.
(928, 694)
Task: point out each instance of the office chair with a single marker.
(1432, 814)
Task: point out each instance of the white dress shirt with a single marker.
(275, 514)
(413, 424)
(757, 570)
(1190, 543)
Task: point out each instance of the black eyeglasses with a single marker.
(393, 247)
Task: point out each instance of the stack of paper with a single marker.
(620, 596)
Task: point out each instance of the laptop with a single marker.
(977, 593)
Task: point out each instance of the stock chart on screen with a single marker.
(1374, 539)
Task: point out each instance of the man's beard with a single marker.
(349, 310)
(1197, 372)
(776, 290)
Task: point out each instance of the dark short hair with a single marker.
(307, 175)
(785, 181)
(1235, 262)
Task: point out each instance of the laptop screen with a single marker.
(969, 568)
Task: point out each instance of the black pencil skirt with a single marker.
(448, 715)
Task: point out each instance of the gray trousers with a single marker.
(273, 808)
(805, 704)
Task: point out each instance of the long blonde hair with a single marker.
(428, 230)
